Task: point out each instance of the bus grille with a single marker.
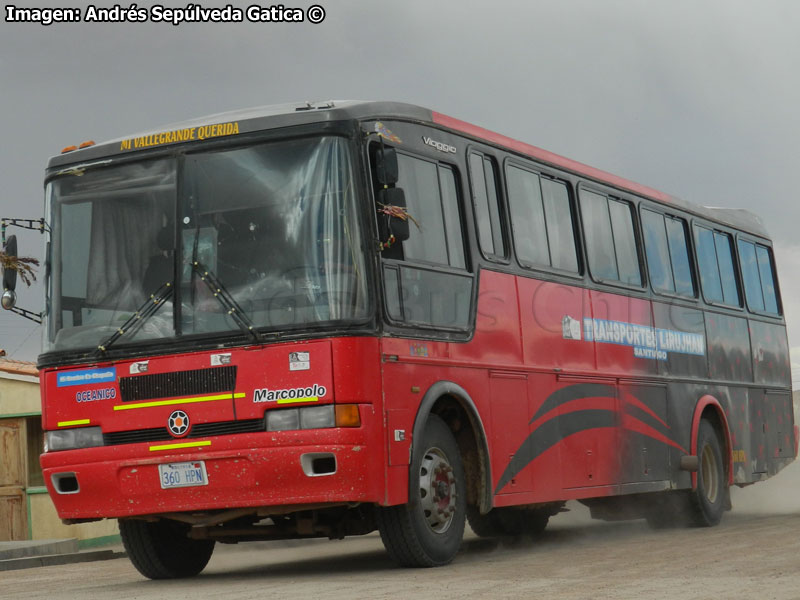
(199, 430)
(179, 383)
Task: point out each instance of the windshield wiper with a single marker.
(137, 319)
(226, 300)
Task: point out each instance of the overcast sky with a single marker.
(697, 98)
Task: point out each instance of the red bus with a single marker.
(321, 320)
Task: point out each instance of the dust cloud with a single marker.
(779, 494)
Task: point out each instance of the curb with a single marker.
(49, 560)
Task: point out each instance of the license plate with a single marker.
(185, 474)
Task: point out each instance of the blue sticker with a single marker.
(87, 377)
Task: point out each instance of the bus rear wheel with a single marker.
(708, 500)
(427, 531)
(163, 550)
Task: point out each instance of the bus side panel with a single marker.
(410, 367)
(728, 342)
(551, 321)
(619, 331)
(771, 365)
(680, 333)
(497, 337)
(645, 436)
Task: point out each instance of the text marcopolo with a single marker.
(191, 13)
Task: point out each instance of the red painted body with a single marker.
(516, 360)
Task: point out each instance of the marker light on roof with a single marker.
(86, 144)
(68, 149)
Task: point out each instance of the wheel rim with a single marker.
(709, 473)
(437, 490)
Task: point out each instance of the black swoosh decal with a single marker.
(550, 433)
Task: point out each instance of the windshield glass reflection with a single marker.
(274, 226)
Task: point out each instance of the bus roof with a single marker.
(285, 115)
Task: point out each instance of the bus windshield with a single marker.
(273, 226)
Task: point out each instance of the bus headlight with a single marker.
(282, 420)
(316, 417)
(71, 439)
(313, 417)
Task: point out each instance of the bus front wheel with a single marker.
(163, 550)
(427, 531)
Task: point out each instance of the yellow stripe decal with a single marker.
(179, 401)
(71, 423)
(295, 400)
(181, 445)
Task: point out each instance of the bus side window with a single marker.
(715, 260)
(758, 275)
(667, 253)
(541, 220)
(610, 238)
(486, 200)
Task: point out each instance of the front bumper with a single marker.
(246, 470)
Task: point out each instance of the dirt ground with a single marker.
(754, 553)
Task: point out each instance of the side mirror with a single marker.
(386, 168)
(395, 221)
(10, 275)
(13, 265)
(8, 299)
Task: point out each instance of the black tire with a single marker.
(427, 532)
(703, 506)
(508, 521)
(708, 501)
(162, 550)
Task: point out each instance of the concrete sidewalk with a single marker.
(41, 553)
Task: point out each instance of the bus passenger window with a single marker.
(625, 242)
(679, 254)
(487, 208)
(527, 217)
(715, 260)
(610, 239)
(767, 280)
(560, 228)
(452, 217)
(730, 285)
(667, 253)
(541, 220)
(757, 272)
(752, 281)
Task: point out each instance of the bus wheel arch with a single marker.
(451, 403)
(709, 409)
